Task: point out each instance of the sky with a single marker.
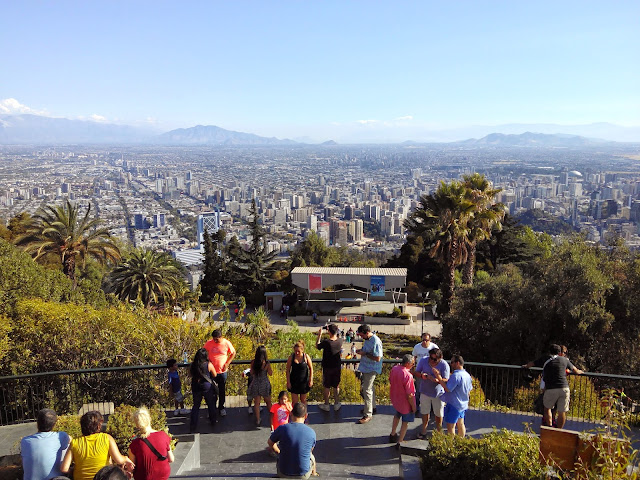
(322, 68)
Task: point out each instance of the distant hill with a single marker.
(212, 135)
(530, 139)
(329, 142)
(36, 129)
(541, 221)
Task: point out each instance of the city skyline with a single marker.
(347, 71)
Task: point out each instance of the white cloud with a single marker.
(403, 119)
(10, 106)
(366, 122)
(97, 118)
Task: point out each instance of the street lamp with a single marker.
(425, 295)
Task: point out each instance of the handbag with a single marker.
(153, 449)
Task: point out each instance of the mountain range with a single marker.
(28, 129)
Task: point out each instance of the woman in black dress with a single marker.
(202, 374)
(299, 373)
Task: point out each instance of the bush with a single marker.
(496, 456)
(69, 424)
(123, 430)
(477, 397)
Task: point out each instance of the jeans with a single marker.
(201, 390)
(368, 393)
(221, 380)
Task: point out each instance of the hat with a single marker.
(364, 328)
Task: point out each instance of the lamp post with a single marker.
(425, 295)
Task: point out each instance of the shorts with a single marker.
(331, 377)
(303, 477)
(558, 397)
(426, 402)
(451, 415)
(406, 417)
(178, 397)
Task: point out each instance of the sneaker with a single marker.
(250, 410)
(176, 412)
(393, 438)
(183, 411)
(324, 407)
(364, 420)
(223, 412)
(337, 406)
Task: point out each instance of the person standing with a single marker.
(299, 373)
(294, 442)
(370, 366)
(402, 392)
(204, 386)
(421, 350)
(260, 384)
(42, 452)
(331, 366)
(430, 390)
(457, 389)
(556, 386)
(221, 353)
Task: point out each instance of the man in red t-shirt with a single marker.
(402, 393)
(221, 352)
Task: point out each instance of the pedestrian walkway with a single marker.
(234, 448)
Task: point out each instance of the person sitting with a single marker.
(93, 450)
(294, 442)
(111, 472)
(42, 452)
(151, 450)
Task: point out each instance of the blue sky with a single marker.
(320, 68)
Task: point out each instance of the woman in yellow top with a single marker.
(93, 450)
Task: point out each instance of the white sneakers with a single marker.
(250, 410)
(336, 406)
(223, 413)
(325, 407)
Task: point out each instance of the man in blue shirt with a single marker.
(457, 389)
(294, 442)
(370, 366)
(42, 452)
(430, 390)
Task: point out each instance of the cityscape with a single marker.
(356, 196)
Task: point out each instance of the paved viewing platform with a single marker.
(235, 448)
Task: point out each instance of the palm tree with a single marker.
(487, 216)
(443, 220)
(258, 325)
(148, 276)
(63, 233)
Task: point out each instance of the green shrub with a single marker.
(396, 312)
(122, 428)
(477, 397)
(69, 424)
(497, 456)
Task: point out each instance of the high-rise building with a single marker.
(159, 220)
(312, 222)
(349, 212)
(209, 221)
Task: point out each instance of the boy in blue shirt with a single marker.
(175, 387)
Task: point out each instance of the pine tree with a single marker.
(216, 278)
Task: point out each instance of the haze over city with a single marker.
(348, 71)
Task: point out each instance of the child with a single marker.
(280, 411)
(175, 387)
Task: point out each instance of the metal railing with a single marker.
(503, 388)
